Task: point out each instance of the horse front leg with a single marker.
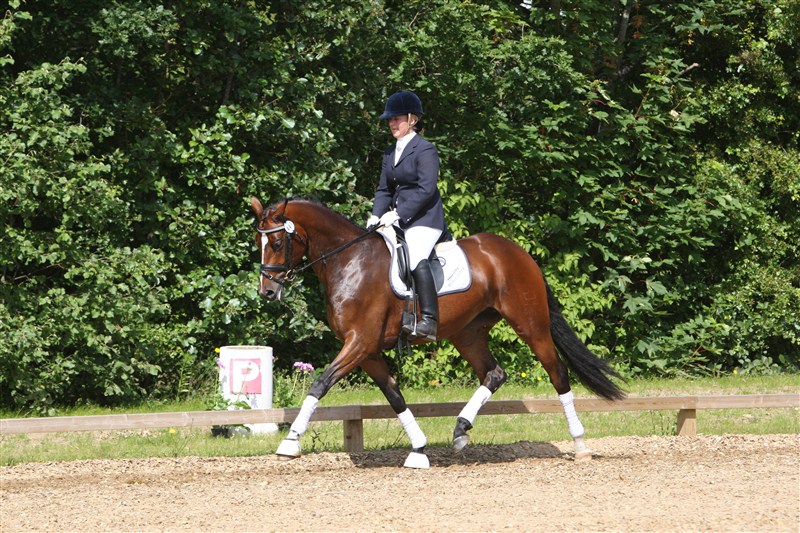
(344, 362)
(378, 370)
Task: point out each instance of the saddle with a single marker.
(449, 266)
(403, 260)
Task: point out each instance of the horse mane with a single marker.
(319, 203)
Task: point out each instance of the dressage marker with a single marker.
(245, 380)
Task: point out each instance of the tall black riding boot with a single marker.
(428, 302)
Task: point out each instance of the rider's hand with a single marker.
(373, 220)
(389, 218)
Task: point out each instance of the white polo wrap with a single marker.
(568, 403)
(470, 411)
(415, 434)
(300, 423)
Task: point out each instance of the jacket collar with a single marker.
(408, 150)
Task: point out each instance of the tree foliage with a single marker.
(645, 153)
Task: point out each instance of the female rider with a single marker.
(408, 196)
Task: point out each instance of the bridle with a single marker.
(287, 267)
(268, 268)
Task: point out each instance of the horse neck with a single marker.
(325, 229)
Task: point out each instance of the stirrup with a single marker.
(409, 323)
(427, 335)
(431, 337)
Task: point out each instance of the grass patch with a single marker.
(383, 434)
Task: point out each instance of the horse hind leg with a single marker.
(576, 430)
(473, 345)
(536, 333)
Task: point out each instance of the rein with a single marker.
(291, 272)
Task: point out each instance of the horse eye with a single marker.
(277, 244)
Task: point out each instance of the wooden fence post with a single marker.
(353, 436)
(687, 422)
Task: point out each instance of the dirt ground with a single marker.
(705, 483)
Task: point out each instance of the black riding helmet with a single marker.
(402, 103)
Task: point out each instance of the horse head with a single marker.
(277, 237)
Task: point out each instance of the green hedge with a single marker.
(645, 153)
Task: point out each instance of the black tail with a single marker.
(590, 369)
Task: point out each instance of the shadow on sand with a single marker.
(472, 454)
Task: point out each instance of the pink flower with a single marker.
(304, 367)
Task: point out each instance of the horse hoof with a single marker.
(288, 449)
(417, 460)
(582, 451)
(459, 443)
(583, 456)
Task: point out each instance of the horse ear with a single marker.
(255, 205)
(279, 210)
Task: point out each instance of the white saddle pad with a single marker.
(457, 276)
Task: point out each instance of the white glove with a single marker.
(373, 220)
(389, 218)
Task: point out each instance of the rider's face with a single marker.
(402, 125)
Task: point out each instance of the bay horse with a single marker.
(363, 312)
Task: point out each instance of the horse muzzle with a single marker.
(271, 293)
(271, 287)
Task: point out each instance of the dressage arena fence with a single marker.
(353, 416)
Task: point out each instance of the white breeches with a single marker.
(421, 241)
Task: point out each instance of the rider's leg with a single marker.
(421, 241)
(428, 302)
